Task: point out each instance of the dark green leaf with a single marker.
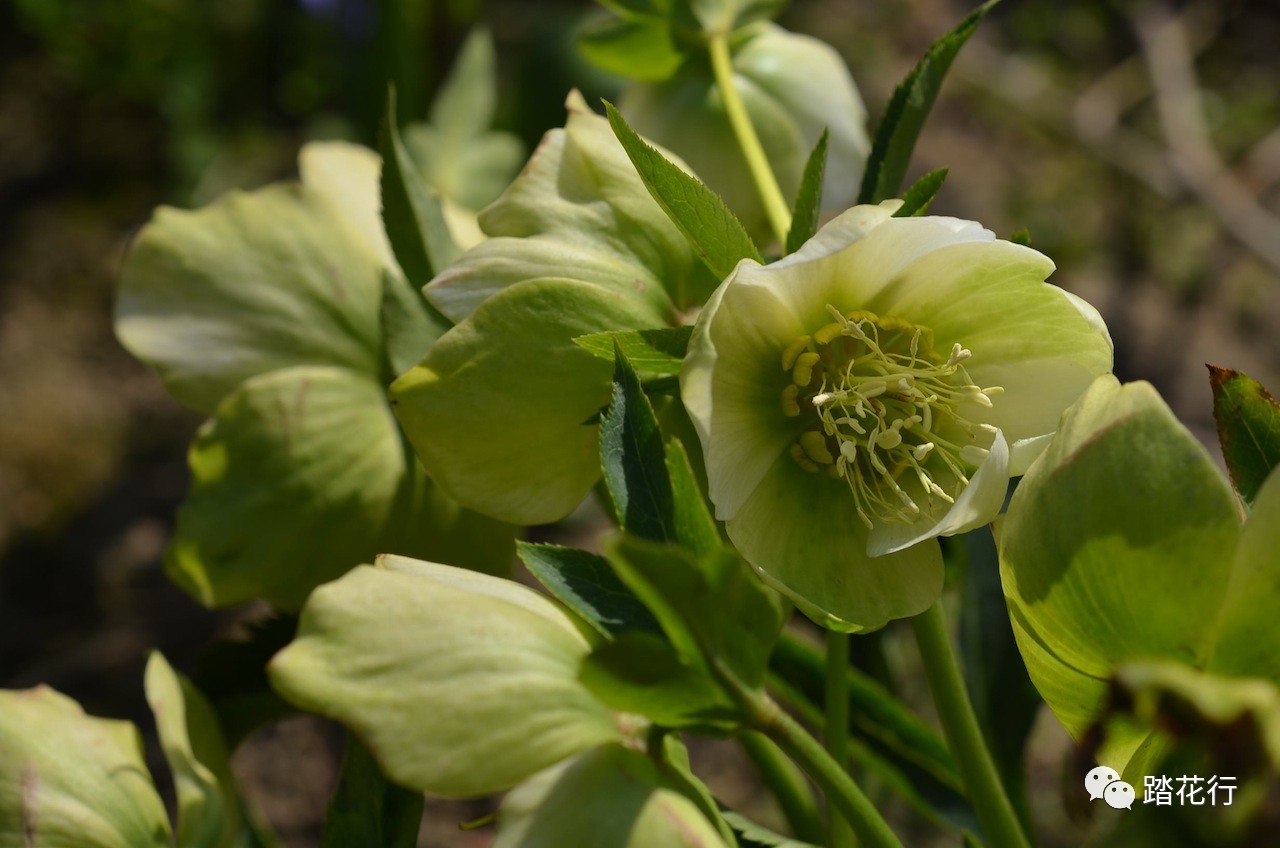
(698, 212)
(1248, 429)
(874, 711)
(692, 523)
(752, 835)
(641, 673)
(658, 351)
(633, 460)
(1003, 696)
(411, 211)
(367, 809)
(410, 324)
(585, 583)
(1021, 236)
(804, 218)
(938, 800)
(639, 50)
(713, 608)
(908, 107)
(916, 200)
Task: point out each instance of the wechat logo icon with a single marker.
(1105, 783)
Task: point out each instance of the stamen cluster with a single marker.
(884, 412)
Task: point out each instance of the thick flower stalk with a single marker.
(876, 390)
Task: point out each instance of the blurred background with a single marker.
(1160, 203)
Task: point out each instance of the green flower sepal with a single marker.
(462, 684)
(873, 391)
(501, 411)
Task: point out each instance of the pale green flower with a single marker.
(462, 684)
(873, 391)
(793, 86)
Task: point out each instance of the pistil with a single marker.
(884, 412)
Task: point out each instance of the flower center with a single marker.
(883, 413)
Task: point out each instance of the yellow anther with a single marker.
(797, 453)
(814, 445)
(790, 401)
(803, 371)
(827, 333)
(794, 350)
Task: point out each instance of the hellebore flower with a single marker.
(577, 245)
(463, 685)
(793, 87)
(873, 391)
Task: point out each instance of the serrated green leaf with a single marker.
(642, 673)
(1248, 421)
(585, 583)
(698, 212)
(639, 50)
(410, 325)
(633, 460)
(752, 835)
(1003, 696)
(907, 110)
(208, 809)
(367, 809)
(692, 523)
(713, 608)
(804, 217)
(657, 352)
(411, 210)
(916, 200)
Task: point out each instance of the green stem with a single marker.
(788, 785)
(837, 727)
(775, 205)
(841, 791)
(977, 769)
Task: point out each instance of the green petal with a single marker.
(251, 283)
(68, 779)
(347, 177)
(855, 259)
(610, 797)
(208, 810)
(731, 383)
(499, 411)
(801, 532)
(1249, 628)
(300, 475)
(456, 691)
(578, 211)
(1043, 347)
(793, 87)
(1117, 545)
